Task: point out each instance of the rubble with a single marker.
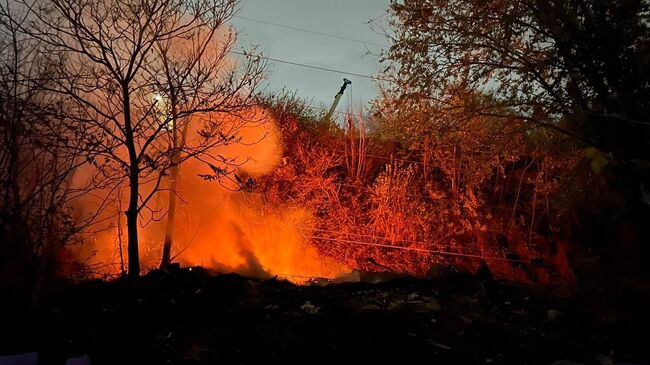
(192, 317)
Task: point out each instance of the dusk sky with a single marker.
(337, 17)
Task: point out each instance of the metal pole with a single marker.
(337, 98)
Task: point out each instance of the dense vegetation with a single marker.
(509, 135)
(510, 129)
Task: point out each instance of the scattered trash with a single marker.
(82, 360)
(411, 313)
(413, 297)
(371, 307)
(553, 314)
(605, 359)
(431, 304)
(394, 305)
(310, 308)
(194, 353)
(439, 345)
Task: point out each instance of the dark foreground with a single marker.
(190, 317)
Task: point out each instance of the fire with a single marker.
(219, 227)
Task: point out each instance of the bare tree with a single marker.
(190, 79)
(121, 69)
(36, 161)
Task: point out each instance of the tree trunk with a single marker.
(132, 226)
(171, 214)
(176, 157)
(134, 184)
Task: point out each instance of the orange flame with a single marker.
(222, 229)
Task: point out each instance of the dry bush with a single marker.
(468, 192)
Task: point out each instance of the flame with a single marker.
(220, 228)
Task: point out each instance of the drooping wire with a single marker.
(290, 27)
(246, 54)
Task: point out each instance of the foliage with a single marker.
(566, 75)
(455, 191)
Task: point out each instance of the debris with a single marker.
(431, 304)
(439, 345)
(371, 307)
(252, 287)
(22, 359)
(328, 319)
(413, 297)
(553, 314)
(194, 353)
(394, 305)
(310, 308)
(82, 360)
(605, 359)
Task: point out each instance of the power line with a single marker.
(626, 120)
(389, 158)
(245, 54)
(375, 237)
(417, 249)
(381, 238)
(378, 17)
(325, 109)
(311, 31)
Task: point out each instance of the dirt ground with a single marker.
(189, 316)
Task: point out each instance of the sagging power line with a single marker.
(417, 249)
(246, 54)
(304, 30)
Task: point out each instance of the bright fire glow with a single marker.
(222, 229)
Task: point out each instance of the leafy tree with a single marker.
(578, 67)
(572, 68)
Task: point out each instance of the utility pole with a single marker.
(337, 98)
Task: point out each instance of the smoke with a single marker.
(218, 226)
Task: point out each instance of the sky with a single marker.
(345, 18)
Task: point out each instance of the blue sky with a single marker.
(347, 18)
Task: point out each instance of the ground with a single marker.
(189, 316)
